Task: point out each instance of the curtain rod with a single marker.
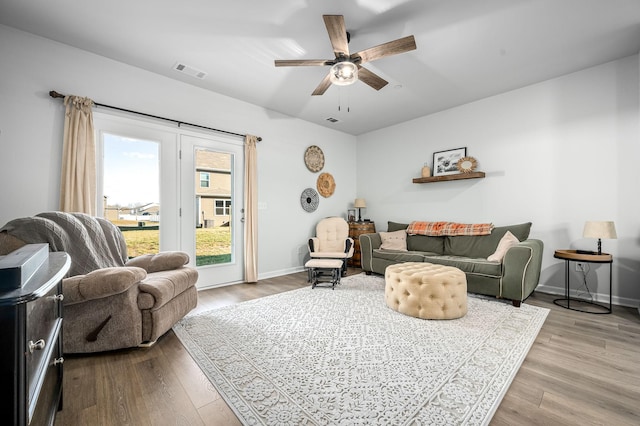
(55, 94)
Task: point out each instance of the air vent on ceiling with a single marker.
(333, 120)
(186, 69)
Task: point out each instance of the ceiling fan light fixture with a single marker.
(343, 73)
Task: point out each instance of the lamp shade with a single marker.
(343, 73)
(359, 203)
(602, 229)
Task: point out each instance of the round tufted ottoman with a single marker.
(426, 290)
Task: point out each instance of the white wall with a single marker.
(31, 127)
(557, 154)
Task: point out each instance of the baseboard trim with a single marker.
(598, 297)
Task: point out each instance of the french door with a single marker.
(211, 175)
(138, 182)
(191, 201)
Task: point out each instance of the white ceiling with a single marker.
(467, 49)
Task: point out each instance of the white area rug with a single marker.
(342, 357)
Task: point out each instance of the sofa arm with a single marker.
(100, 283)
(163, 261)
(368, 243)
(521, 269)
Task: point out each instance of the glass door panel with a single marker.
(212, 197)
(131, 191)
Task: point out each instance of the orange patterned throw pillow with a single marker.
(437, 229)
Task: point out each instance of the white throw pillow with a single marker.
(396, 240)
(507, 241)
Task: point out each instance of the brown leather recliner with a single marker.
(110, 301)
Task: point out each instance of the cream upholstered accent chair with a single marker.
(332, 241)
(110, 301)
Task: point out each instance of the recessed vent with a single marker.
(186, 69)
(333, 120)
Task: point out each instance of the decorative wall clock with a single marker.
(309, 200)
(326, 185)
(314, 158)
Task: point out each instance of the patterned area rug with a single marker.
(342, 357)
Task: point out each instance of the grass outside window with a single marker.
(213, 245)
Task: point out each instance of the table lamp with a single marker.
(599, 230)
(359, 203)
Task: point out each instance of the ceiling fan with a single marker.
(347, 68)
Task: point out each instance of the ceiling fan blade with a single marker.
(337, 34)
(401, 45)
(302, 62)
(322, 87)
(371, 79)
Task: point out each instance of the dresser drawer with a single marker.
(43, 323)
(45, 403)
(31, 380)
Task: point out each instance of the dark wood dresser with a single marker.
(31, 354)
(355, 230)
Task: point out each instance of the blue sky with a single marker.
(131, 171)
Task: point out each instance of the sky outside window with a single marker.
(131, 171)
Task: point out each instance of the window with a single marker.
(131, 190)
(223, 207)
(204, 180)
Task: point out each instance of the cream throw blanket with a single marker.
(92, 242)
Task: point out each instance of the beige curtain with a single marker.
(250, 209)
(78, 180)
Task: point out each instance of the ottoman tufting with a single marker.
(426, 290)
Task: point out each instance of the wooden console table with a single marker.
(355, 230)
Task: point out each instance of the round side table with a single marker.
(579, 304)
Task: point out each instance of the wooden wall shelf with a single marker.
(459, 176)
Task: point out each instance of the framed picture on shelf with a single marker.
(445, 162)
(351, 215)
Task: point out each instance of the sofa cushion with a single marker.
(426, 244)
(395, 226)
(163, 261)
(485, 245)
(507, 241)
(396, 240)
(399, 256)
(164, 286)
(468, 265)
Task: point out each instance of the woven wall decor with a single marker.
(309, 200)
(314, 158)
(326, 185)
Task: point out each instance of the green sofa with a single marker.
(514, 278)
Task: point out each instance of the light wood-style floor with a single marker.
(583, 369)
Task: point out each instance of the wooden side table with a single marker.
(355, 230)
(573, 256)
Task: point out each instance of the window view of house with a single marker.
(213, 197)
(131, 185)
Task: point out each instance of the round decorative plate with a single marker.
(309, 200)
(314, 158)
(466, 164)
(326, 185)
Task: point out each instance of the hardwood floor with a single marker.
(582, 370)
